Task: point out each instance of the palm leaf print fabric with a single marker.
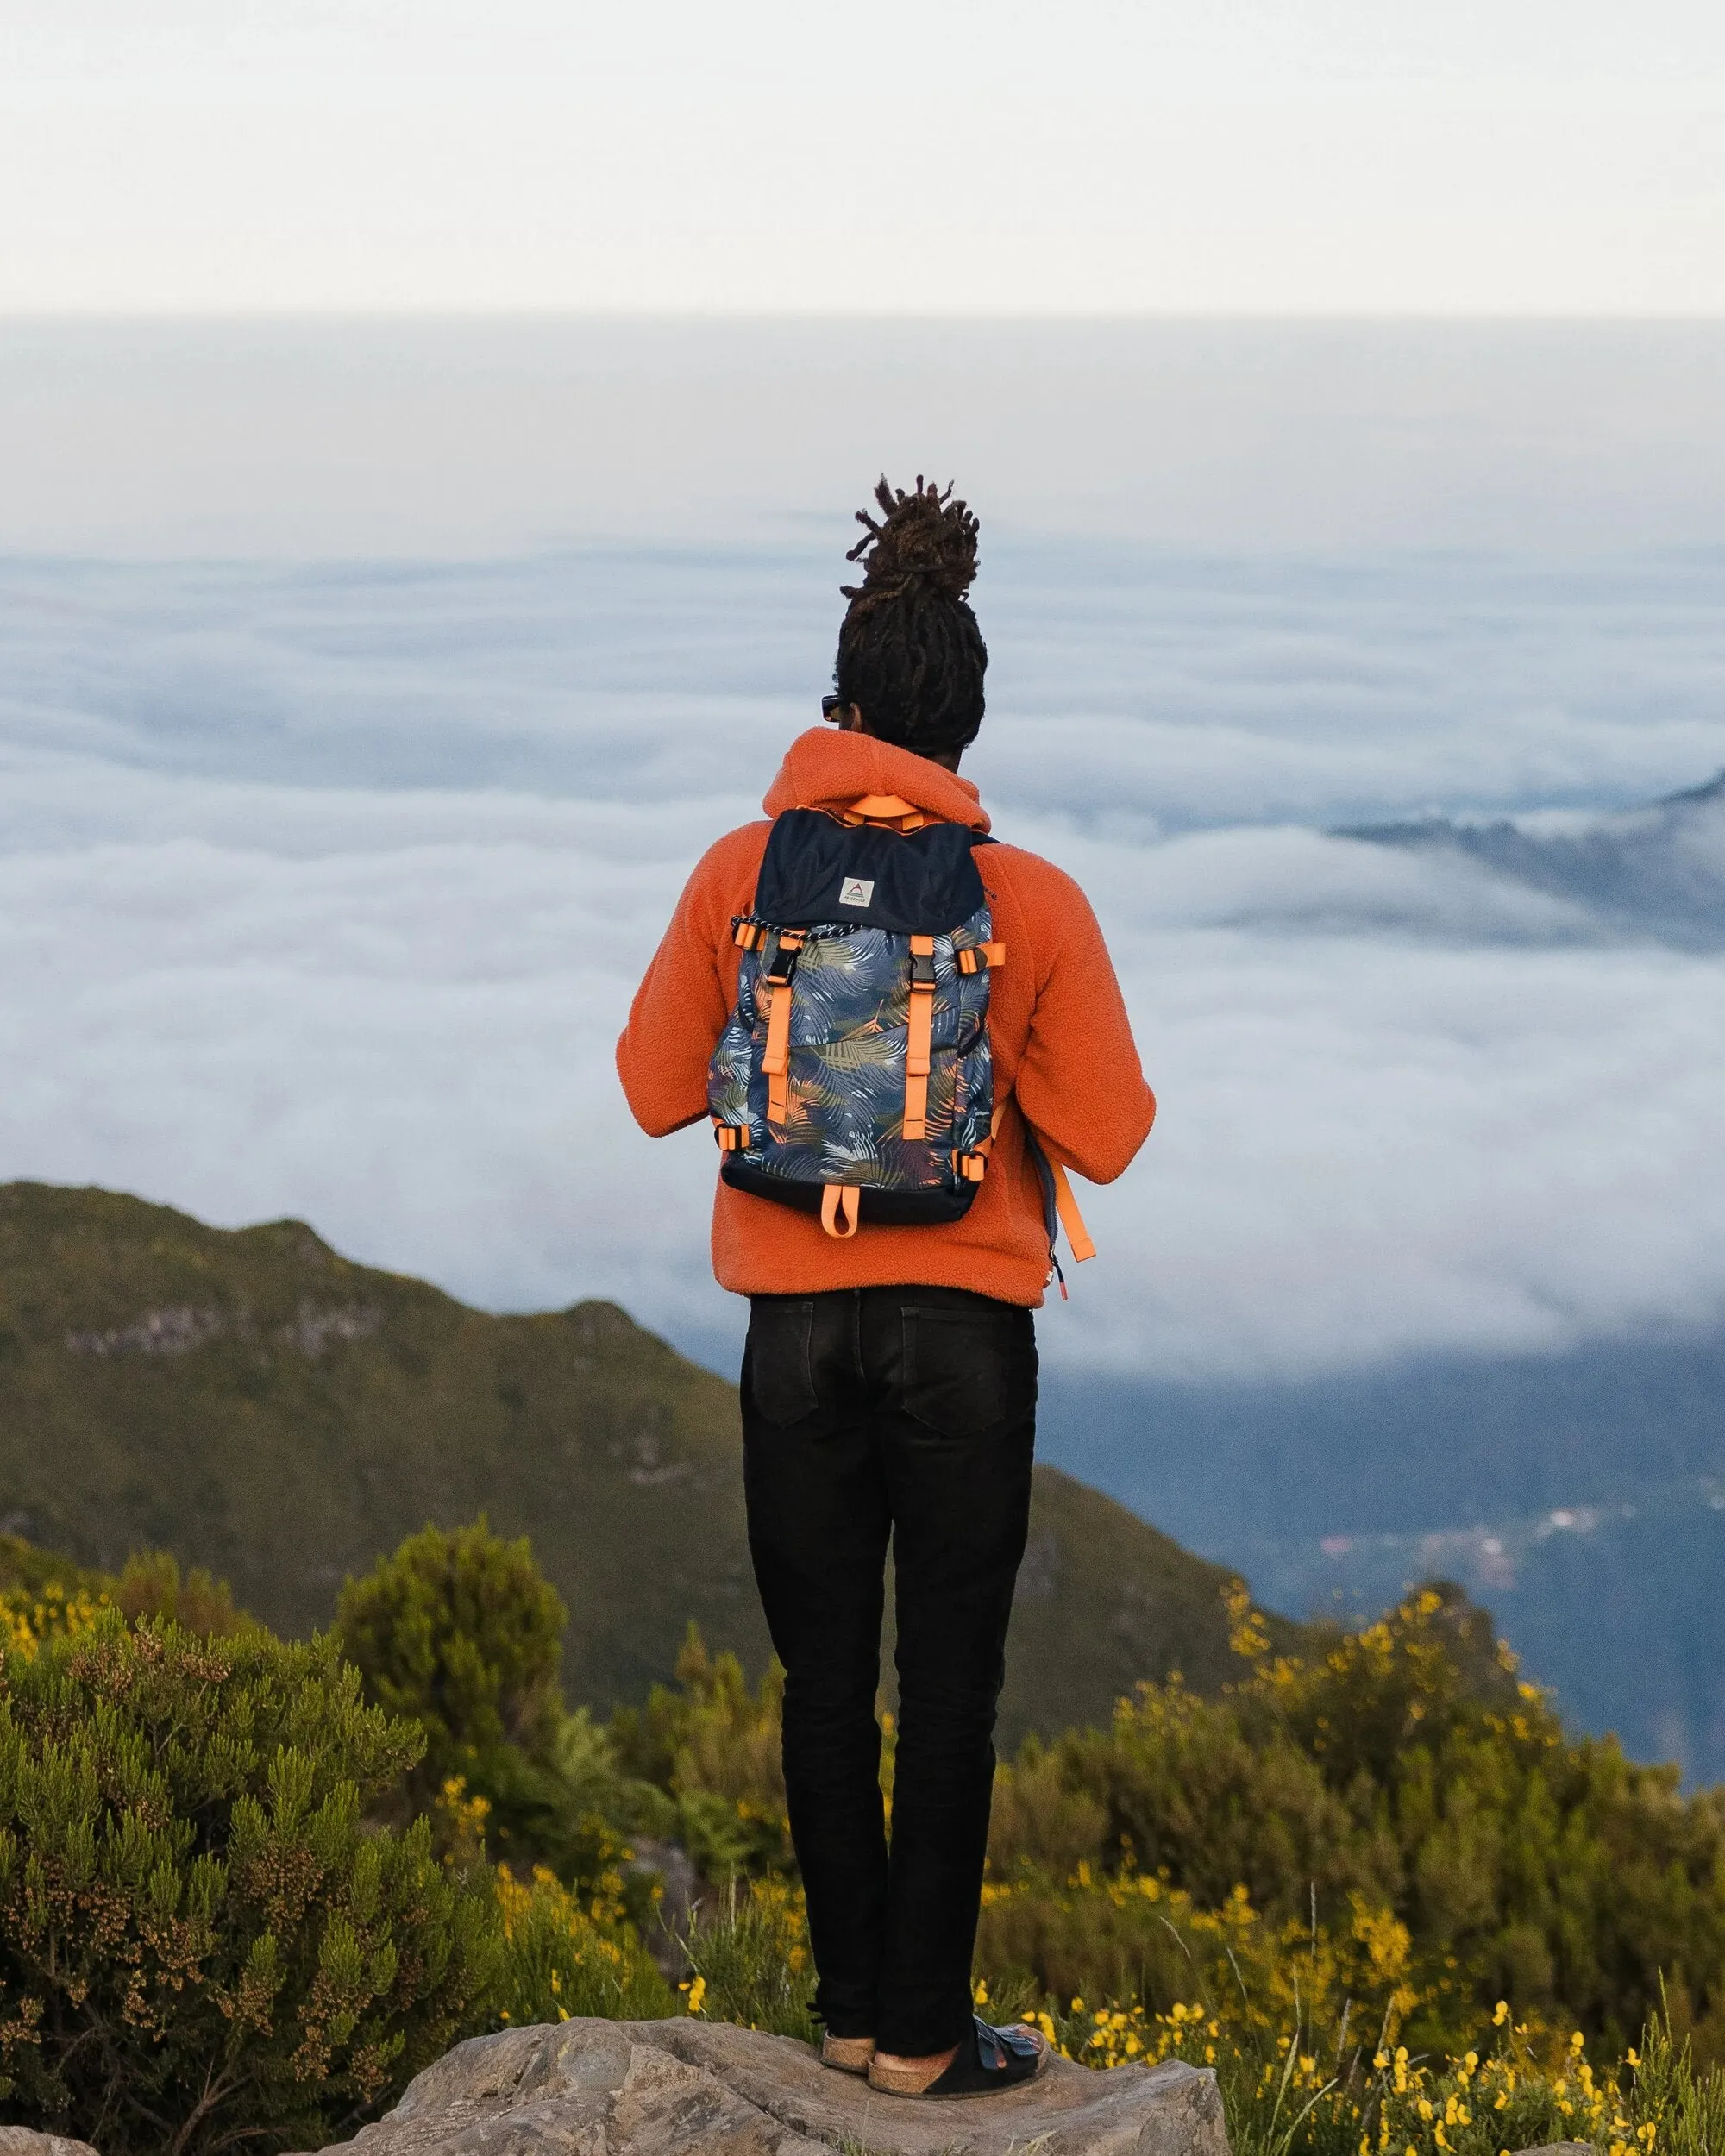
(849, 1039)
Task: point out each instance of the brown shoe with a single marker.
(851, 2054)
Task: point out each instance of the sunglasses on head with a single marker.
(832, 706)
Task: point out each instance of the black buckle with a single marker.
(779, 951)
(922, 969)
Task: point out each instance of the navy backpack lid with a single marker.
(917, 883)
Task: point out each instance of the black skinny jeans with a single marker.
(907, 1414)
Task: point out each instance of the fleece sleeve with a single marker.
(680, 1008)
(1080, 1084)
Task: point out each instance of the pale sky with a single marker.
(931, 156)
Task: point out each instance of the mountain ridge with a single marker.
(1659, 867)
(259, 1406)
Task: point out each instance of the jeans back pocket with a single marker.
(965, 1370)
(778, 1365)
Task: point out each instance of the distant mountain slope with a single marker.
(256, 1404)
(1580, 1496)
(1658, 869)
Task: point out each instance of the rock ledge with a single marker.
(591, 2088)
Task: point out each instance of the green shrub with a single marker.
(1667, 2105)
(712, 1747)
(1406, 1770)
(151, 1585)
(463, 1633)
(751, 1963)
(49, 1593)
(566, 1954)
(25, 1570)
(200, 1944)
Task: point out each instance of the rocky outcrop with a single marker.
(590, 2088)
(19, 2141)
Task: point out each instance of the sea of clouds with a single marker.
(324, 890)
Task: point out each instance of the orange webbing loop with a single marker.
(732, 1137)
(747, 935)
(1070, 1219)
(920, 1038)
(885, 809)
(841, 1210)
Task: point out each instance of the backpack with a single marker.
(853, 1078)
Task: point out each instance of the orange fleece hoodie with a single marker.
(1062, 1048)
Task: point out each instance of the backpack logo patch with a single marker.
(857, 891)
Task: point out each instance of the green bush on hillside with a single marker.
(200, 1943)
(1391, 1774)
(708, 1752)
(42, 1593)
(462, 1632)
(750, 1961)
(151, 1584)
(566, 1954)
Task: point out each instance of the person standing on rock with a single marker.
(903, 1033)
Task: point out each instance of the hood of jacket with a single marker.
(825, 768)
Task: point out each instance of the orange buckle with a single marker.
(732, 1137)
(747, 935)
(981, 957)
(971, 1167)
(841, 1210)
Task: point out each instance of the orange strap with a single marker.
(775, 1059)
(919, 1041)
(840, 1210)
(1070, 1219)
(1065, 1204)
(732, 1137)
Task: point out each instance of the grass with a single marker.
(749, 1962)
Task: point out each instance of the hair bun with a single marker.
(924, 538)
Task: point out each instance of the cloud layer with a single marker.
(325, 894)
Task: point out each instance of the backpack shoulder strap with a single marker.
(1059, 1207)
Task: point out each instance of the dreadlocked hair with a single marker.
(910, 653)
